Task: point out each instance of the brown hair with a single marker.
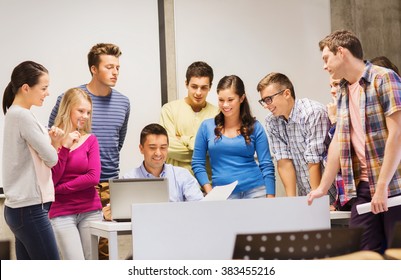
(153, 128)
(345, 39)
(199, 69)
(385, 62)
(247, 120)
(27, 72)
(276, 78)
(101, 49)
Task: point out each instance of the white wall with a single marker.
(251, 38)
(59, 34)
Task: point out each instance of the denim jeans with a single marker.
(72, 234)
(258, 192)
(34, 236)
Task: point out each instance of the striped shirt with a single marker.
(301, 139)
(380, 99)
(110, 116)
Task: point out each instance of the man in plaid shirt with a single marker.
(297, 129)
(366, 141)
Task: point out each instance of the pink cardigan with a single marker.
(75, 176)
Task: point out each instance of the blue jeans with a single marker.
(258, 192)
(34, 236)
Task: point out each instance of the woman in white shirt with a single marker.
(28, 155)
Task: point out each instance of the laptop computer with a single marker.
(125, 192)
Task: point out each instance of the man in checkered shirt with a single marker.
(366, 141)
(297, 129)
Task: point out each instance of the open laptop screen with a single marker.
(125, 192)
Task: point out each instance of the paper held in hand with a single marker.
(366, 207)
(220, 192)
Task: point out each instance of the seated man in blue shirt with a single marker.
(154, 146)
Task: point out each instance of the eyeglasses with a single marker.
(269, 99)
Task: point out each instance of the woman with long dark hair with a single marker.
(28, 155)
(232, 139)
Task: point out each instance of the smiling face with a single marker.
(230, 102)
(154, 151)
(107, 71)
(36, 94)
(281, 104)
(80, 114)
(198, 89)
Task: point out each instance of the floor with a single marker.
(124, 246)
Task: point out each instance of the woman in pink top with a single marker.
(75, 176)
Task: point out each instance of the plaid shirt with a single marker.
(301, 139)
(381, 96)
(343, 196)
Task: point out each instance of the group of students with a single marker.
(198, 146)
(50, 203)
(218, 145)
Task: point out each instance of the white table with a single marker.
(337, 215)
(339, 218)
(109, 230)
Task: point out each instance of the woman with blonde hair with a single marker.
(75, 176)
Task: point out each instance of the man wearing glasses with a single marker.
(297, 129)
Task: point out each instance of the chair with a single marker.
(5, 253)
(313, 244)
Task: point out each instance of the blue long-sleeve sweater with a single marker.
(232, 159)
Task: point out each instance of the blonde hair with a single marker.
(72, 98)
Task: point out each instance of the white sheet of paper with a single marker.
(220, 192)
(366, 207)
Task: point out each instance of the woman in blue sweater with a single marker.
(231, 140)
